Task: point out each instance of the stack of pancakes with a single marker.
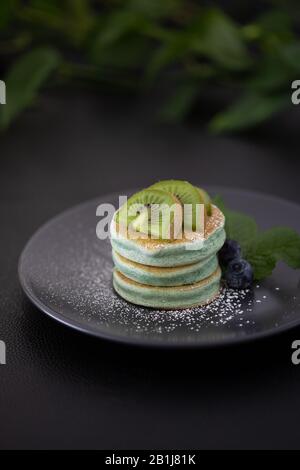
(169, 274)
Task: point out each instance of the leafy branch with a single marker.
(139, 44)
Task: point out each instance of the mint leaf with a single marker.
(239, 227)
(24, 79)
(276, 244)
(262, 264)
(262, 249)
(282, 243)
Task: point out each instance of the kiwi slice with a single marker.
(151, 212)
(206, 201)
(185, 192)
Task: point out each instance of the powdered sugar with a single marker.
(89, 292)
(104, 306)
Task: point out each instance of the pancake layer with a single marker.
(162, 276)
(192, 295)
(166, 253)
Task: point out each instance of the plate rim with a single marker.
(135, 341)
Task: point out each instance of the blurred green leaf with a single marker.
(81, 19)
(43, 16)
(132, 51)
(270, 29)
(276, 70)
(156, 8)
(217, 37)
(24, 79)
(212, 35)
(289, 56)
(119, 42)
(79, 8)
(119, 24)
(6, 12)
(269, 76)
(180, 103)
(276, 22)
(71, 19)
(249, 111)
(171, 52)
(53, 6)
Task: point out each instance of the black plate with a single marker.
(66, 271)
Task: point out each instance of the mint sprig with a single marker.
(263, 249)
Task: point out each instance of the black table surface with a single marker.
(61, 389)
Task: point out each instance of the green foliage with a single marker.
(215, 36)
(277, 244)
(24, 80)
(6, 13)
(180, 103)
(141, 42)
(280, 242)
(156, 9)
(173, 50)
(251, 109)
(263, 249)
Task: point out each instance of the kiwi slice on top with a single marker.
(153, 212)
(185, 192)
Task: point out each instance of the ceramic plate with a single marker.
(66, 271)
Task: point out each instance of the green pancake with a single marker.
(161, 276)
(172, 253)
(168, 298)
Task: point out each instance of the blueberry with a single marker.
(239, 274)
(230, 250)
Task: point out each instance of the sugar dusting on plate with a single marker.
(104, 306)
(89, 291)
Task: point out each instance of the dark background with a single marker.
(61, 389)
